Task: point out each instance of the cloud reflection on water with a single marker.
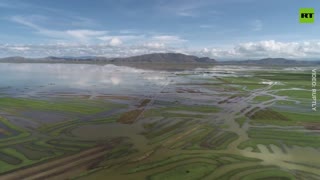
(82, 76)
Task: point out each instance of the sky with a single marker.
(220, 29)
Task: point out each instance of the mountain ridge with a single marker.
(145, 58)
(156, 58)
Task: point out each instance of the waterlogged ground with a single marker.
(61, 121)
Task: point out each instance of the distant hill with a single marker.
(146, 58)
(161, 61)
(164, 61)
(155, 61)
(164, 58)
(14, 59)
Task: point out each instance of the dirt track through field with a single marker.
(55, 168)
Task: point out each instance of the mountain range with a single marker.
(146, 58)
(167, 61)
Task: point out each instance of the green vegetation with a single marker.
(300, 94)
(279, 137)
(202, 137)
(282, 118)
(179, 161)
(250, 83)
(262, 98)
(192, 111)
(130, 116)
(71, 106)
(271, 173)
(255, 86)
(258, 172)
(192, 108)
(172, 159)
(66, 128)
(242, 80)
(32, 153)
(11, 137)
(284, 102)
(187, 172)
(241, 121)
(22, 148)
(218, 140)
(24, 161)
(158, 112)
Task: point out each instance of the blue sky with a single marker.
(227, 29)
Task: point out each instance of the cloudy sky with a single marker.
(221, 29)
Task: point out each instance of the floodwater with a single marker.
(36, 79)
(74, 78)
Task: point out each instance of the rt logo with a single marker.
(306, 15)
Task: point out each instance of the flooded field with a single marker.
(61, 121)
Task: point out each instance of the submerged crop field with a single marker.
(222, 122)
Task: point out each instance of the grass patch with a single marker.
(282, 118)
(71, 106)
(278, 137)
(285, 102)
(193, 108)
(144, 102)
(191, 171)
(241, 121)
(271, 173)
(130, 116)
(22, 134)
(24, 161)
(169, 111)
(300, 94)
(262, 98)
(263, 172)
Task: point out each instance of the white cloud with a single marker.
(270, 48)
(115, 48)
(115, 42)
(167, 39)
(64, 49)
(19, 48)
(25, 21)
(94, 36)
(187, 8)
(204, 26)
(186, 14)
(309, 49)
(77, 42)
(154, 45)
(82, 35)
(128, 31)
(121, 37)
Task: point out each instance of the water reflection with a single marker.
(102, 78)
